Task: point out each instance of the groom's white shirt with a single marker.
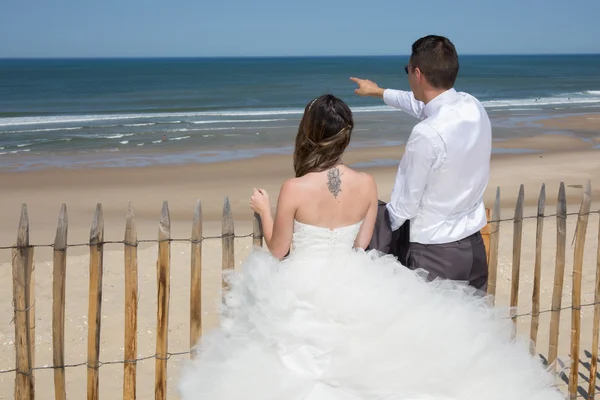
(445, 170)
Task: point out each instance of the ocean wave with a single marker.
(74, 128)
(228, 128)
(577, 98)
(251, 116)
(63, 119)
(212, 129)
(179, 130)
(180, 138)
(42, 141)
(142, 124)
(228, 121)
(116, 135)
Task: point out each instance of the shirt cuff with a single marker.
(395, 221)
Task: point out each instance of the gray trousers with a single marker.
(386, 241)
(463, 260)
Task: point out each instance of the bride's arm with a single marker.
(278, 231)
(366, 230)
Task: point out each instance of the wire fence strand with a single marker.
(186, 240)
(203, 238)
(169, 354)
(100, 363)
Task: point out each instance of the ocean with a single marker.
(135, 112)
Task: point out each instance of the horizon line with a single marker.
(278, 56)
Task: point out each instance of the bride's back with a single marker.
(337, 197)
(326, 193)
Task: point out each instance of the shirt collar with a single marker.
(441, 99)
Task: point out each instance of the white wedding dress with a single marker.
(331, 322)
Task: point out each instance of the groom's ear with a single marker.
(418, 75)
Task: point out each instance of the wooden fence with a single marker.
(24, 296)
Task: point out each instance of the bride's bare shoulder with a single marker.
(365, 183)
(292, 186)
(363, 177)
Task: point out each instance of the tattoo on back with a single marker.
(334, 181)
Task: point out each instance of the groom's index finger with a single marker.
(356, 80)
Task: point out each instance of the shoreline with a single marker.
(529, 144)
(527, 132)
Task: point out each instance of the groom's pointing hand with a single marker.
(367, 88)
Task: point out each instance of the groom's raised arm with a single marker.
(404, 101)
(417, 162)
(400, 99)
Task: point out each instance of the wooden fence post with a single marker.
(95, 302)
(485, 234)
(494, 242)
(30, 290)
(559, 274)
(228, 233)
(163, 271)
(580, 231)
(257, 233)
(596, 325)
(131, 306)
(516, 262)
(196, 279)
(24, 385)
(59, 275)
(537, 270)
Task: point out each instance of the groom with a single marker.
(444, 170)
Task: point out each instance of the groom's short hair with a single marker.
(437, 59)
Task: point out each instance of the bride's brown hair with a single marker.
(323, 135)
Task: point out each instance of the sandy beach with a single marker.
(589, 122)
(550, 159)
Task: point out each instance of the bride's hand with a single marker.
(259, 202)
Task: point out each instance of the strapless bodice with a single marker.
(318, 240)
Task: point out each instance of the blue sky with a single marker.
(139, 28)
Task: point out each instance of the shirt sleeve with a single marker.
(404, 101)
(417, 162)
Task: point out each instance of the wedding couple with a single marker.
(332, 321)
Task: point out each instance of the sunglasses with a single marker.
(406, 69)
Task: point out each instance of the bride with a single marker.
(333, 322)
